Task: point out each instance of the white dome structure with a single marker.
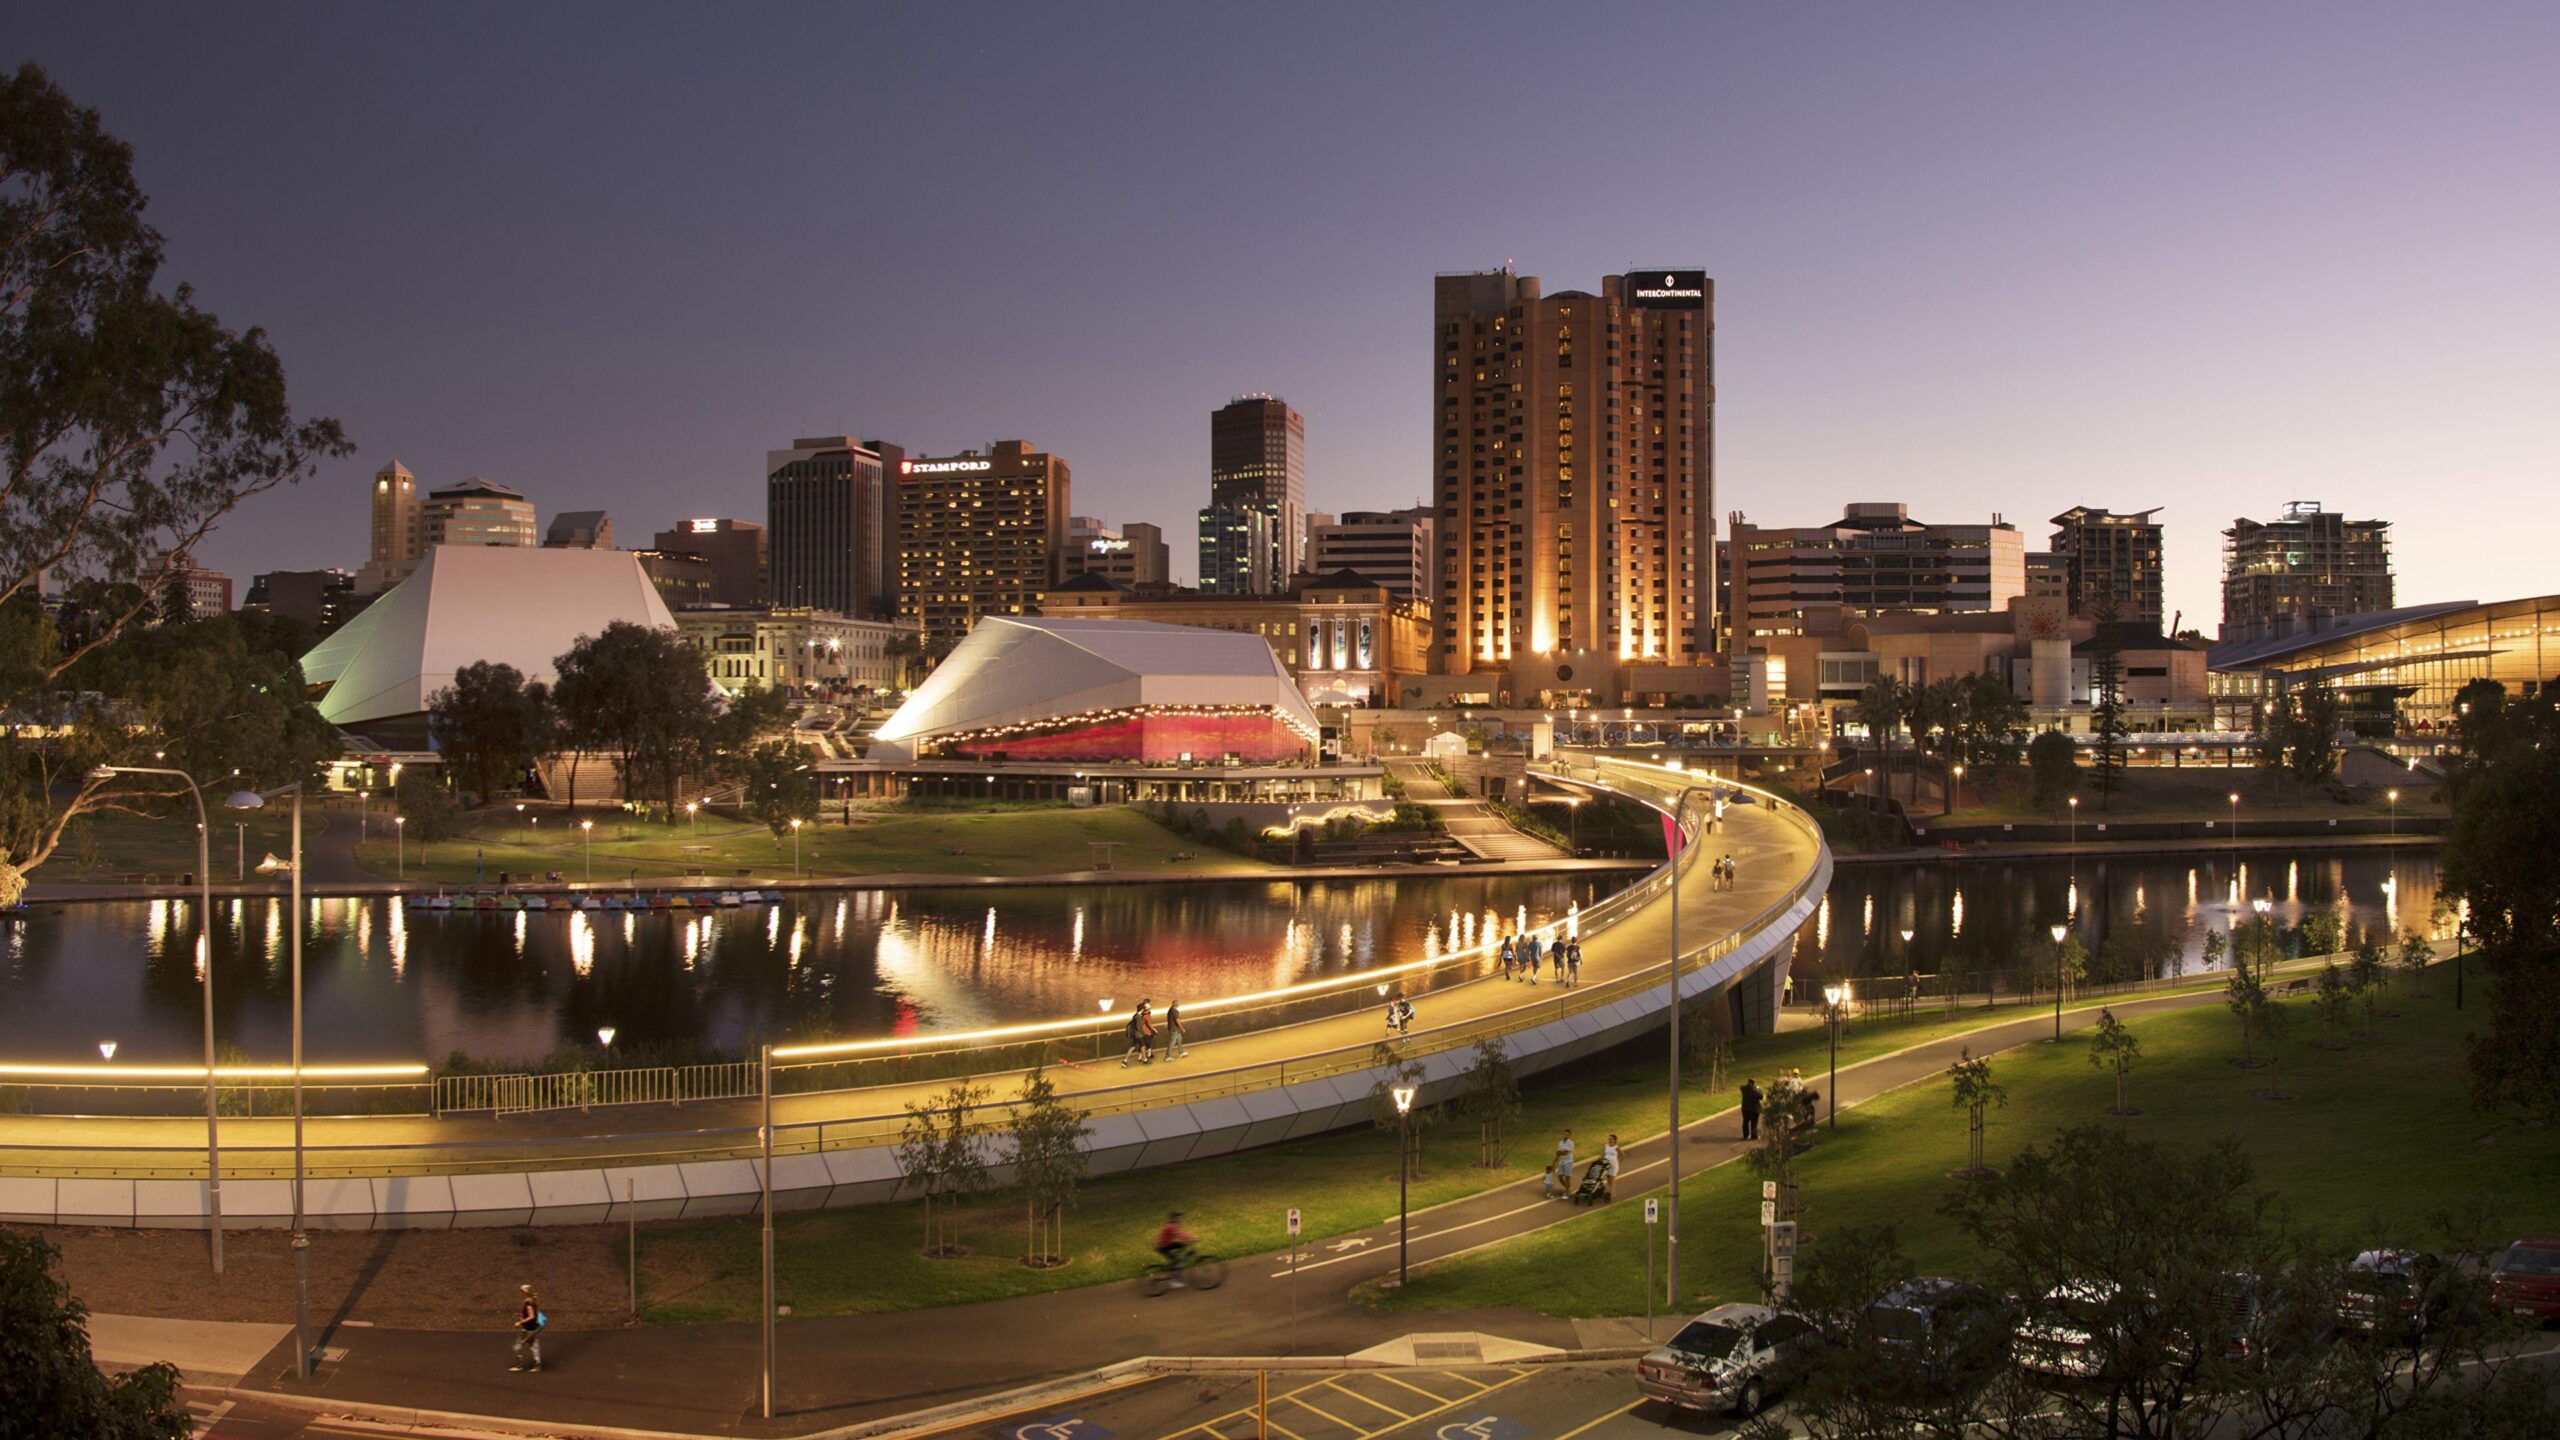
(1101, 691)
(467, 603)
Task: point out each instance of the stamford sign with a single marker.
(1667, 289)
(945, 467)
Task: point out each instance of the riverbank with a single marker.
(2102, 849)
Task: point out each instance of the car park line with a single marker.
(1335, 1427)
(1590, 1425)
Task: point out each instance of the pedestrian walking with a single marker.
(1529, 956)
(1559, 1174)
(1141, 1037)
(1609, 1167)
(529, 1324)
(1510, 953)
(1173, 1047)
(1751, 1109)
(1404, 1015)
(1573, 964)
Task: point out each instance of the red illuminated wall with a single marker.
(1258, 739)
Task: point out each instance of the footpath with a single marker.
(853, 1374)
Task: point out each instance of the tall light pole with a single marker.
(2262, 905)
(253, 800)
(2058, 932)
(1834, 997)
(204, 942)
(795, 848)
(2074, 802)
(690, 807)
(1908, 967)
(1404, 1155)
(1955, 788)
(588, 828)
(764, 1085)
(2395, 814)
(400, 843)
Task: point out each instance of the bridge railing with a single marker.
(588, 1089)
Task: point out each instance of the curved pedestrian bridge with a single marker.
(1259, 1069)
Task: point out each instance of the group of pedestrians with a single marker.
(1522, 955)
(1141, 1031)
(1559, 1181)
(1399, 1015)
(1723, 871)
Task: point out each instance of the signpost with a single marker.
(1652, 1218)
(1782, 1258)
(1293, 1279)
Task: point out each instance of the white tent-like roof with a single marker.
(1014, 668)
(467, 603)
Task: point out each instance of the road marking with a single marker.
(1435, 1398)
(1299, 1399)
(1591, 1425)
(1211, 1431)
(1344, 1386)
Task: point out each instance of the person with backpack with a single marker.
(530, 1322)
(1573, 964)
(1142, 1032)
(1508, 954)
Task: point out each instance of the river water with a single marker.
(387, 983)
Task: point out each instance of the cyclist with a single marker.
(1173, 1242)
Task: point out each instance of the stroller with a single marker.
(1594, 1188)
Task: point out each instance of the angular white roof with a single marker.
(1013, 668)
(466, 603)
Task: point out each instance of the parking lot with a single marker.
(1594, 1401)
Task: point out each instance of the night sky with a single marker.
(1979, 258)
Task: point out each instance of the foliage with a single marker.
(2310, 731)
(2416, 953)
(490, 726)
(1975, 1093)
(642, 696)
(49, 1385)
(1395, 1068)
(1049, 1161)
(939, 1153)
(2497, 864)
(2112, 1045)
(2245, 995)
(2332, 996)
(1886, 705)
(2370, 974)
(2106, 708)
(2323, 931)
(777, 786)
(1489, 1095)
(2051, 760)
(425, 804)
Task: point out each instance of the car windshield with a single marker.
(1894, 1323)
(2521, 1261)
(1707, 1337)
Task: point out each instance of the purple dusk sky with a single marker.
(1976, 258)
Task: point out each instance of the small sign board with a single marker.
(1782, 1241)
(1653, 1212)
(1293, 1222)
(1768, 1189)
(1768, 1213)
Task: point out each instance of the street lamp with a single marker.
(2058, 932)
(2075, 823)
(795, 848)
(2262, 905)
(2395, 813)
(400, 843)
(1907, 966)
(2235, 836)
(204, 940)
(1097, 1033)
(1834, 999)
(253, 800)
(604, 1036)
(690, 806)
(1955, 792)
(106, 1049)
(588, 828)
(1404, 1153)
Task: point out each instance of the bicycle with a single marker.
(1198, 1270)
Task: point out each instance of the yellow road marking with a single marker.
(1303, 1403)
(1209, 1428)
(1603, 1420)
(1432, 1396)
(1365, 1400)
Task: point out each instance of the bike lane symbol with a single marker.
(1056, 1427)
(1483, 1427)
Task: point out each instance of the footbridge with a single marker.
(1261, 1068)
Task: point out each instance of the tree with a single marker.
(2246, 997)
(1394, 1069)
(2370, 973)
(49, 1385)
(777, 786)
(423, 802)
(1049, 1160)
(132, 422)
(490, 725)
(2106, 703)
(1706, 1042)
(2332, 996)
(1975, 1092)
(2112, 1044)
(2323, 931)
(2417, 952)
(642, 696)
(2054, 766)
(2216, 946)
(2311, 735)
(2497, 868)
(2070, 963)
(938, 1152)
(1489, 1095)
(1884, 705)
(1993, 722)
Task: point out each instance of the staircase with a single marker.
(1472, 823)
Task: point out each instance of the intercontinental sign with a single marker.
(944, 467)
(1667, 289)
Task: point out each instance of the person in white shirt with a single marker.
(1609, 1172)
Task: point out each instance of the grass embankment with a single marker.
(977, 842)
(2379, 1132)
(865, 1260)
(2188, 793)
(108, 846)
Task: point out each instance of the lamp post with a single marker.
(2395, 814)
(106, 1049)
(2262, 905)
(1955, 789)
(588, 828)
(1834, 998)
(2234, 798)
(254, 800)
(605, 1034)
(764, 1135)
(2058, 932)
(204, 941)
(1098, 1029)
(400, 844)
(2075, 824)
(690, 806)
(1907, 966)
(795, 848)
(1404, 1155)
(239, 852)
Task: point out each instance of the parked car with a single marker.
(2527, 1277)
(2071, 1332)
(1734, 1357)
(1944, 1330)
(2385, 1289)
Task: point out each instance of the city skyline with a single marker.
(2247, 263)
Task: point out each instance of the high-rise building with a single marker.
(399, 530)
(1392, 548)
(2310, 565)
(832, 508)
(1573, 446)
(1133, 555)
(2048, 578)
(1238, 552)
(979, 534)
(1257, 458)
(683, 579)
(2110, 558)
(1874, 559)
(199, 593)
(321, 599)
(479, 511)
(579, 530)
(735, 550)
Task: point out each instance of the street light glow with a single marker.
(1404, 1099)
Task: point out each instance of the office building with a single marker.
(734, 549)
(1392, 548)
(684, 579)
(321, 599)
(1238, 554)
(2048, 577)
(979, 534)
(1134, 555)
(1872, 560)
(479, 511)
(813, 654)
(2396, 672)
(579, 530)
(1257, 460)
(199, 593)
(1347, 640)
(2110, 559)
(399, 530)
(832, 510)
(1573, 468)
(2281, 576)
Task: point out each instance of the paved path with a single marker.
(1771, 852)
(839, 1369)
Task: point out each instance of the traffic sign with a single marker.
(1768, 1189)
(1293, 1222)
(1768, 1213)
(1652, 1212)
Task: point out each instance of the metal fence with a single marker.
(587, 1089)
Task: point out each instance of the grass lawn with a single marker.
(117, 844)
(864, 1260)
(2378, 1133)
(990, 842)
(2190, 793)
